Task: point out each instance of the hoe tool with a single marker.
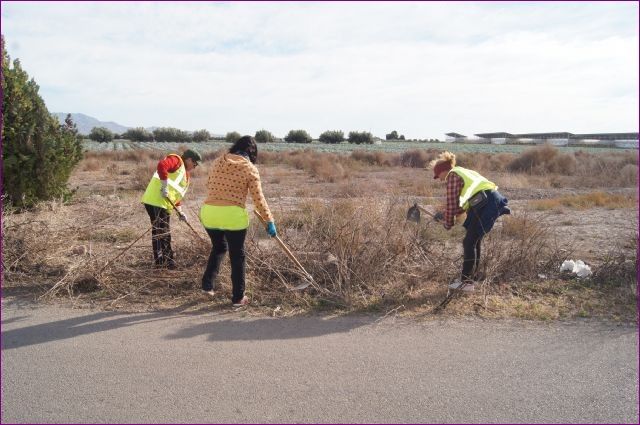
(413, 214)
(307, 276)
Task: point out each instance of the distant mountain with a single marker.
(86, 123)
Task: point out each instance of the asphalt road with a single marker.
(69, 366)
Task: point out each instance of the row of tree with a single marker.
(170, 134)
(140, 134)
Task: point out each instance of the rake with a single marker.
(186, 222)
(306, 275)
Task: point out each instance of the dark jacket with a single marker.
(486, 216)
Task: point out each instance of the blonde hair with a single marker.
(445, 156)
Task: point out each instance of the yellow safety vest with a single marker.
(227, 217)
(177, 185)
(473, 183)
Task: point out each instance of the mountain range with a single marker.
(86, 123)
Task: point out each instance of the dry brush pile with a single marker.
(361, 256)
(362, 253)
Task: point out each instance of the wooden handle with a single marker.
(125, 250)
(186, 222)
(260, 217)
(426, 211)
(284, 248)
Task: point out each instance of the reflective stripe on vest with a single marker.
(473, 183)
(177, 182)
(177, 185)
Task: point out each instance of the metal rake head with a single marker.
(413, 214)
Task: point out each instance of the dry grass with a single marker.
(354, 240)
(135, 156)
(325, 167)
(586, 201)
(363, 258)
(542, 160)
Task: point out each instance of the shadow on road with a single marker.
(215, 327)
(271, 329)
(77, 326)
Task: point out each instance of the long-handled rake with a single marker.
(306, 275)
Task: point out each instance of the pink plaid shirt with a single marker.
(454, 186)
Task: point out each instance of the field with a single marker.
(342, 213)
(334, 148)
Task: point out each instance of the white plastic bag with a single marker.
(579, 268)
(567, 265)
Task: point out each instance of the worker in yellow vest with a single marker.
(468, 192)
(232, 176)
(168, 185)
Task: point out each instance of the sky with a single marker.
(421, 68)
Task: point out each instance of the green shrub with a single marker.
(138, 134)
(200, 136)
(170, 134)
(232, 136)
(264, 136)
(394, 136)
(298, 136)
(358, 138)
(38, 153)
(336, 136)
(101, 134)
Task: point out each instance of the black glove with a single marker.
(439, 216)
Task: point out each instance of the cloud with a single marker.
(421, 68)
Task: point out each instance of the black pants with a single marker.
(223, 241)
(160, 235)
(471, 246)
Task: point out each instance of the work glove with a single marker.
(439, 216)
(164, 190)
(271, 229)
(183, 216)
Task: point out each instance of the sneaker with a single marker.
(462, 286)
(209, 293)
(244, 301)
(171, 265)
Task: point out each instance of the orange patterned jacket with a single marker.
(231, 177)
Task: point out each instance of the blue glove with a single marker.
(271, 229)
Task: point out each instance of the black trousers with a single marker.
(223, 241)
(160, 235)
(471, 246)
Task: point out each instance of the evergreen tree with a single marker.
(38, 153)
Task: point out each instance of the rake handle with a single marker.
(186, 222)
(125, 250)
(284, 247)
(426, 211)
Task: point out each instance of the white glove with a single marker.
(164, 190)
(183, 216)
